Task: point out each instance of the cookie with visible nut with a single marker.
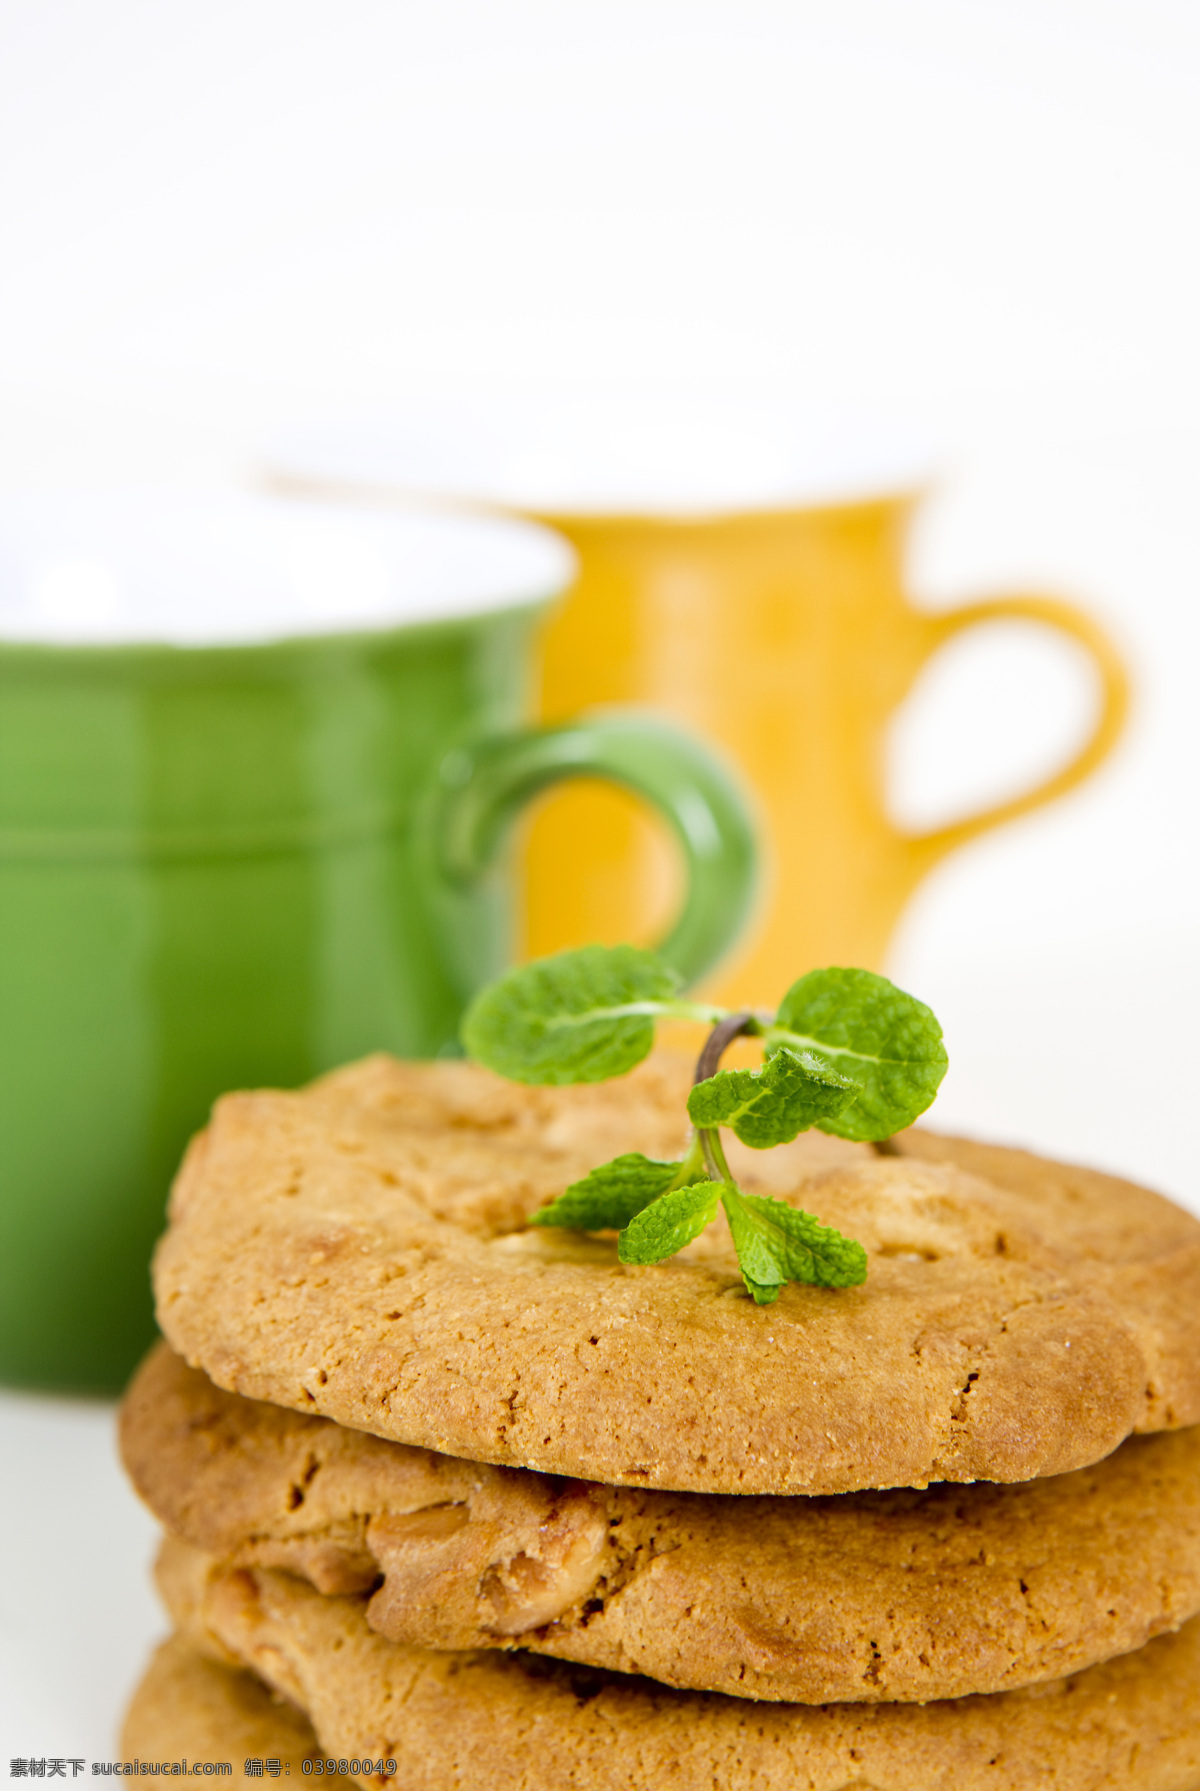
(864, 1596)
(517, 1722)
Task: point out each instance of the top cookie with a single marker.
(359, 1249)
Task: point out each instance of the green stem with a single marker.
(719, 1041)
(693, 1165)
(714, 1154)
(694, 1010)
(732, 1026)
(653, 1010)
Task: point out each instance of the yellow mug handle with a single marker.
(1052, 612)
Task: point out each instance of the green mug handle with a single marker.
(481, 786)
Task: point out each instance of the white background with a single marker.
(218, 218)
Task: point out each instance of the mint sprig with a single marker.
(793, 1091)
(777, 1243)
(868, 1029)
(847, 1052)
(580, 1016)
(669, 1223)
(609, 1197)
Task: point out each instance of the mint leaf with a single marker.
(763, 1295)
(670, 1222)
(566, 1018)
(609, 1197)
(777, 1243)
(867, 1028)
(791, 1092)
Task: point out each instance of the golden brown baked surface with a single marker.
(358, 1249)
(516, 1722)
(868, 1596)
(191, 1707)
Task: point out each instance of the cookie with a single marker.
(512, 1721)
(866, 1596)
(191, 1707)
(359, 1249)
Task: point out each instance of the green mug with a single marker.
(258, 762)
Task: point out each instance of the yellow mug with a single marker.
(786, 636)
(741, 568)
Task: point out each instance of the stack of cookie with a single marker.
(486, 1507)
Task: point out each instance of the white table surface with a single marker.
(77, 1614)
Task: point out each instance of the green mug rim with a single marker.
(111, 653)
